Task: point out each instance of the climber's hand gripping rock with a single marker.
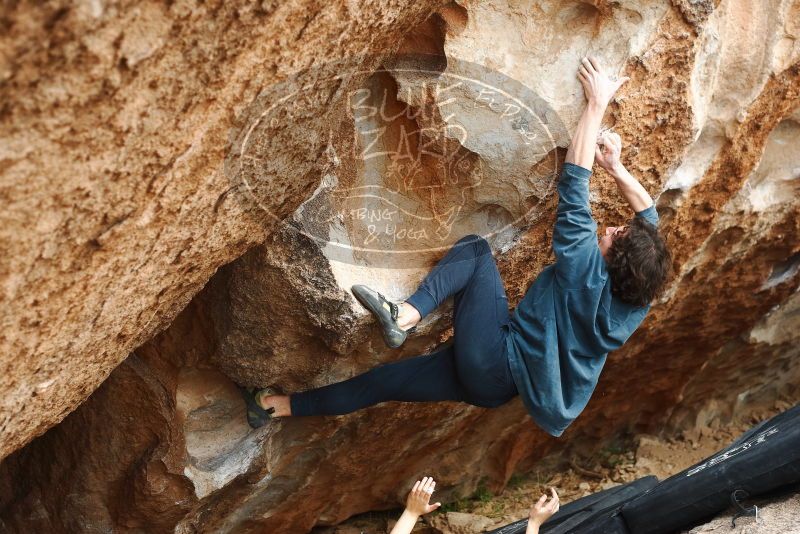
(598, 86)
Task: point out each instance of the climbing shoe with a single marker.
(384, 311)
(256, 415)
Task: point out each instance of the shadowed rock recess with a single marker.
(191, 188)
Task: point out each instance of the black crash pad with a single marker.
(764, 459)
(586, 511)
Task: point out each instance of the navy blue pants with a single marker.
(472, 369)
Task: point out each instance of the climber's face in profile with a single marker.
(611, 233)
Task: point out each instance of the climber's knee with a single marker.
(478, 243)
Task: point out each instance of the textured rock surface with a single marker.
(116, 123)
(460, 523)
(711, 119)
(776, 516)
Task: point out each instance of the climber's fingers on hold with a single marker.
(588, 65)
(616, 142)
(611, 140)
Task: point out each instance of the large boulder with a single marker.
(372, 186)
(119, 121)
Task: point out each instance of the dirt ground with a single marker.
(623, 462)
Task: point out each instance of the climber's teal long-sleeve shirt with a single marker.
(568, 322)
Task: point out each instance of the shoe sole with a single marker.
(380, 320)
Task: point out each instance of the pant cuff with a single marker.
(422, 301)
(299, 405)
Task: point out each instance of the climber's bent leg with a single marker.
(427, 378)
(451, 274)
(480, 319)
(472, 370)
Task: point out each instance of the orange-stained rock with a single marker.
(710, 120)
(119, 204)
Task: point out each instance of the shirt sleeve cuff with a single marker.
(576, 171)
(649, 214)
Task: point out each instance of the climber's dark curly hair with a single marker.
(638, 263)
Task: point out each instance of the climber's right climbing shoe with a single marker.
(383, 310)
(256, 415)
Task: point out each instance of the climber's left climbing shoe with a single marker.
(384, 311)
(256, 415)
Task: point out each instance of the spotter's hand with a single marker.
(417, 501)
(544, 508)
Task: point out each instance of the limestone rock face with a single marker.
(400, 129)
(119, 120)
(461, 523)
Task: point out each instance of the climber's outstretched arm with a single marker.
(607, 153)
(599, 89)
(575, 232)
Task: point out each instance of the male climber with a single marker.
(551, 351)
